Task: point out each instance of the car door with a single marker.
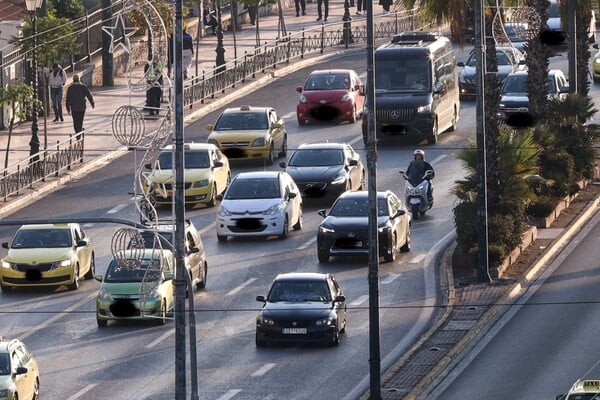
(359, 94)
(354, 171)
(223, 173)
(217, 173)
(400, 222)
(23, 382)
(336, 290)
(277, 133)
(168, 290)
(84, 253)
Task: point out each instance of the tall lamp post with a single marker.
(34, 143)
(220, 50)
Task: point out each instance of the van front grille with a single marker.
(398, 115)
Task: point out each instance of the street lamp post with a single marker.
(220, 50)
(34, 143)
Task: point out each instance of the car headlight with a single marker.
(303, 99)
(425, 108)
(276, 209)
(501, 105)
(64, 263)
(346, 98)
(213, 141)
(260, 142)
(104, 295)
(4, 393)
(461, 79)
(202, 183)
(324, 229)
(6, 264)
(339, 179)
(597, 60)
(325, 322)
(224, 212)
(382, 229)
(265, 321)
(154, 294)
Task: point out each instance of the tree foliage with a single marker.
(70, 9)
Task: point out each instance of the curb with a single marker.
(456, 354)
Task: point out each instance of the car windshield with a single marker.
(317, 157)
(42, 238)
(516, 32)
(242, 121)
(256, 188)
(149, 240)
(130, 270)
(518, 84)
(553, 11)
(356, 207)
(502, 57)
(299, 291)
(4, 364)
(404, 75)
(193, 159)
(327, 81)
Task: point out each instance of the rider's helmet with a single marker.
(419, 152)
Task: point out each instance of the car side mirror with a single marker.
(460, 64)
(292, 195)
(218, 164)
(353, 162)
(261, 298)
(5, 245)
(21, 370)
(400, 212)
(168, 276)
(340, 299)
(595, 45)
(193, 250)
(148, 166)
(299, 89)
(439, 88)
(322, 213)
(82, 243)
(282, 164)
(210, 127)
(98, 277)
(219, 197)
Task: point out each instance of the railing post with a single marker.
(69, 153)
(303, 44)
(245, 65)
(87, 36)
(5, 184)
(322, 38)
(203, 87)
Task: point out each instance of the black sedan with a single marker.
(345, 230)
(325, 169)
(302, 307)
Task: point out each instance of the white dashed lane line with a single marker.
(82, 391)
(240, 287)
(390, 278)
(306, 244)
(230, 394)
(359, 300)
(263, 370)
(418, 259)
(116, 209)
(160, 339)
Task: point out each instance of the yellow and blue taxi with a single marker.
(582, 390)
(47, 255)
(206, 174)
(19, 372)
(247, 132)
(137, 285)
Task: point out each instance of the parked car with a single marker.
(250, 132)
(206, 174)
(47, 255)
(331, 95)
(260, 204)
(596, 65)
(321, 169)
(555, 25)
(161, 237)
(345, 229)
(516, 33)
(509, 59)
(302, 307)
(514, 101)
(137, 285)
(19, 372)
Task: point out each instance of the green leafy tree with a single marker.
(70, 9)
(19, 98)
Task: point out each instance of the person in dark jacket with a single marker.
(386, 4)
(416, 170)
(76, 95)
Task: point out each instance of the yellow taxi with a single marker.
(582, 390)
(596, 65)
(47, 255)
(249, 132)
(19, 373)
(206, 174)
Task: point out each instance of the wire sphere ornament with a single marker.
(127, 247)
(128, 125)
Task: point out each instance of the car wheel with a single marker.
(283, 151)
(213, 195)
(406, 247)
(259, 342)
(36, 390)
(101, 322)
(92, 270)
(433, 139)
(221, 238)
(271, 156)
(5, 288)
(298, 225)
(335, 339)
(323, 256)
(392, 250)
(75, 284)
(286, 229)
(163, 314)
(201, 284)
(301, 122)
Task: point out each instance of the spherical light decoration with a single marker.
(128, 125)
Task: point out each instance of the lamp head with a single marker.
(33, 5)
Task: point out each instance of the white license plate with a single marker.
(294, 331)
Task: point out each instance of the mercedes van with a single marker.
(416, 88)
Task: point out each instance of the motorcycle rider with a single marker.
(417, 169)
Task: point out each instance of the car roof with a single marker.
(142, 253)
(331, 71)
(258, 174)
(6, 343)
(192, 146)
(551, 72)
(362, 194)
(321, 146)
(245, 109)
(48, 226)
(302, 276)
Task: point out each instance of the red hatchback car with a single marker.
(331, 95)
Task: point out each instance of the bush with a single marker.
(465, 220)
(559, 167)
(543, 206)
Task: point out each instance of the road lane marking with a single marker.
(418, 259)
(360, 300)
(230, 394)
(438, 159)
(289, 115)
(240, 287)
(116, 209)
(263, 370)
(206, 228)
(82, 391)
(308, 243)
(391, 278)
(160, 339)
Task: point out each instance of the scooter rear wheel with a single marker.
(414, 209)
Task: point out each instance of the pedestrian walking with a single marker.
(188, 52)
(76, 95)
(154, 78)
(210, 20)
(57, 78)
(386, 4)
(300, 5)
(361, 7)
(320, 5)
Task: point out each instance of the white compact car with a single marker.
(259, 204)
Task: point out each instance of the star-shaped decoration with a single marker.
(119, 26)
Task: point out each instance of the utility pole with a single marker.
(481, 68)
(572, 32)
(179, 237)
(373, 274)
(107, 57)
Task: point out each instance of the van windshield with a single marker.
(402, 76)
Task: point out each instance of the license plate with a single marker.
(294, 331)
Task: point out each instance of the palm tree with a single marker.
(583, 17)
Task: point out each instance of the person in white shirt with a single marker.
(57, 78)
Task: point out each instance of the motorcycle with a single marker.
(416, 195)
